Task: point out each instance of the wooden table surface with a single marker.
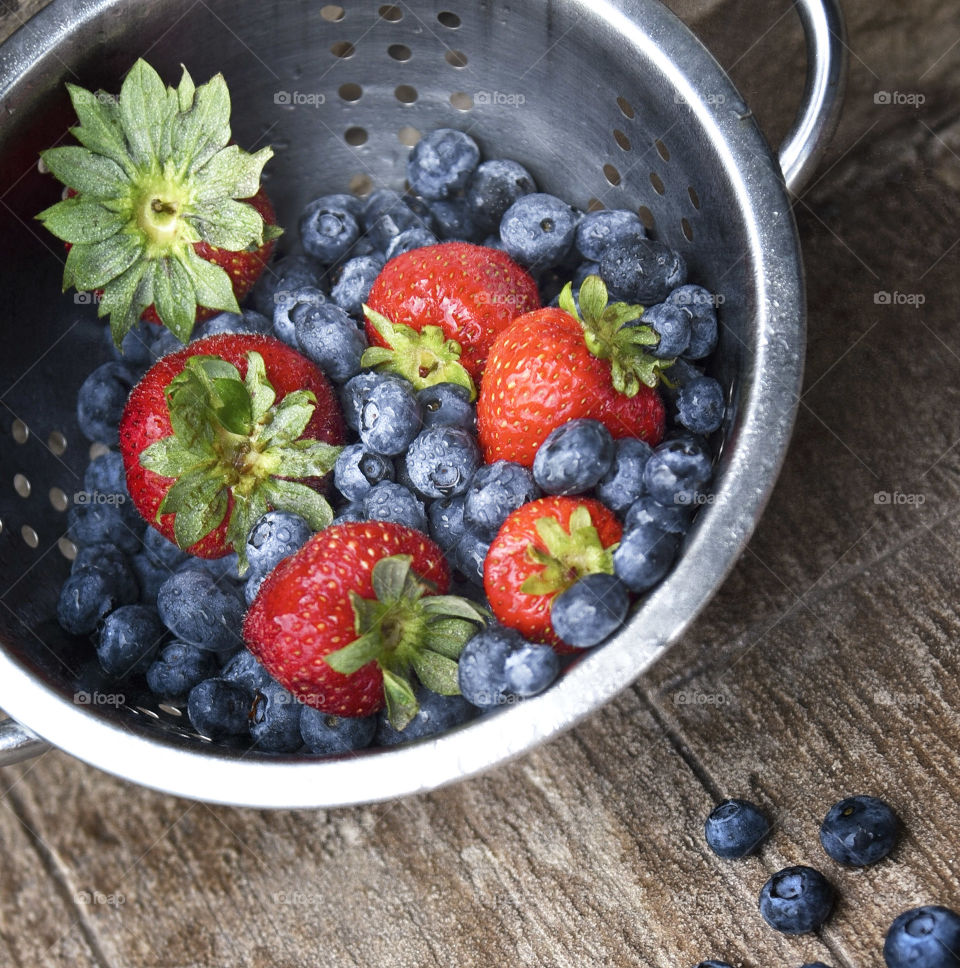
(827, 665)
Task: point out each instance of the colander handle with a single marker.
(18, 743)
(823, 92)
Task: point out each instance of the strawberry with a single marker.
(216, 434)
(343, 621)
(541, 550)
(154, 215)
(552, 366)
(433, 313)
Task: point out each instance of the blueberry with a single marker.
(437, 714)
(448, 405)
(796, 900)
(622, 485)
(289, 273)
(198, 611)
(224, 571)
(644, 556)
(275, 536)
(591, 609)
(96, 523)
(597, 231)
(105, 479)
(700, 405)
(104, 556)
(678, 471)
(574, 457)
(275, 719)
(446, 521)
(250, 321)
(859, 831)
(353, 394)
(497, 490)
(538, 230)
(329, 735)
(393, 502)
(452, 220)
(441, 461)
(328, 228)
(379, 201)
(646, 512)
(352, 512)
(129, 639)
(93, 592)
(390, 418)
(441, 163)
(698, 303)
(219, 709)
(712, 964)
(134, 351)
(178, 668)
(329, 337)
(482, 667)
(924, 937)
(101, 399)
(289, 303)
(150, 576)
(530, 668)
(358, 469)
(354, 281)
(736, 828)
(494, 242)
(415, 237)
(392, 221)
(469, 555)
(163, 343)
(672, 325)
(641, 271)
(244, 669)
(495, 186)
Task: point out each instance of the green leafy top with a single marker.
(608, 336)
(404, 629)
(424, 358)
(154, 174)
(230, 437)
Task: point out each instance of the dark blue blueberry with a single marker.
(495, 186)
(106, 557)
(796, 900)
(329, 735)
(574, 457)
(353, 395)
(441, 461)
(641, 271)
(497, 490)
(591, 609)
(200, 612)
(100, 522)
(135, 349)
(859, 831)
(390, 418)
(224, 571)
(329, 228)
(250, 321)
(622, 485)
(468, 556)
(700, 405)
(219, 709)
(482, 666)
(393, 502)
(164, 342)
(494, 242)
(452, 221)
(354, 280)
(105, 479)
(672, 325)
(415, 237)
(288, 303)
(129, 639)
(736, 828)
(538, 230)
(678, 471)
(379, 201)
(924, 937)
(150, 576)
(352, 512)
(530, 668)
(436, 715)
(252, 585)
(441, 163)
(275, 536)
(93, 592)
(700, 306)
(448, 405)
(446, 521)
(161, 551)
(179, 667)
(291, 272)
(101, 399)
(392, 221)
(244, 669)
(358, 469)
(329, 337)
(275, 719)
(644, 556)
(646, 512)
(597, 231)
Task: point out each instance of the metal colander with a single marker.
(614, 105)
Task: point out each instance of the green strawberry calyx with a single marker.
(154, 173)
(406, 628)
(232, 440)
(566, 555)
(425, 358)
(611, 333)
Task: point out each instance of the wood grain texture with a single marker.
(827, 664)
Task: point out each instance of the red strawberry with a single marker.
(343, 622)
(156, 216)
(467, 294)
(541, 550)
(219, 432)
(551, 366)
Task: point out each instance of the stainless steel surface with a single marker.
(612, 103)
(18, 743)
